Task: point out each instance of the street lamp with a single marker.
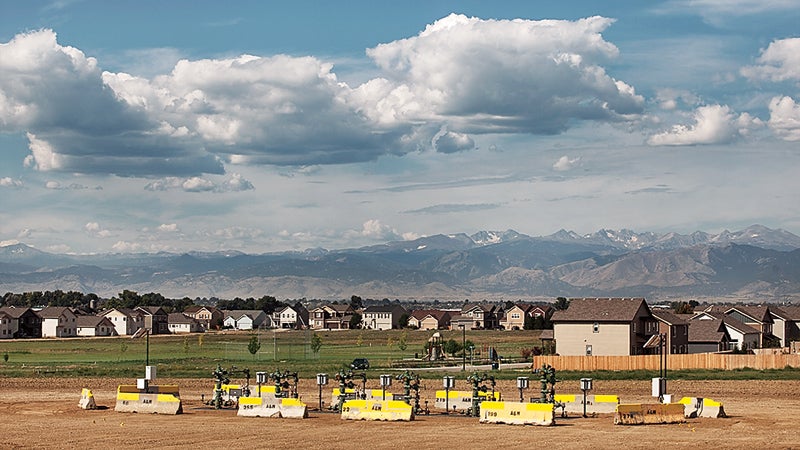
(463, 347)
(449, 383)
(322, 380)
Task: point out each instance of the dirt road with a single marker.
(43, 413)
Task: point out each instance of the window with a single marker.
(595, 329)
(515, 316)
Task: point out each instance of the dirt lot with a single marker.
(43, 413)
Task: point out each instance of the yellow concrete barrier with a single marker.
(269, 406)
(649, 413)
(595, 404)
(701, 407)
(516, 413)
(461, 400)
(87, 399)
(154, 399)
(389, 410)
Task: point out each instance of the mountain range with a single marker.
(755, 264)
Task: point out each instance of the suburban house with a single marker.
(290, 317)
(208, 316)
(708, 336)
(603, 327)
(95, 326)
(484, 317)
(786, 324)
(743, 337)
(24, 322)
(155, 318)
(675, 329)
(514, 317)
(181, 323)
(247, 319)
(58, 321)
(758, 317)
(459, 321)
(331, 317)
(383, 317)
(126, 320)
(429, 319)
(6, 326)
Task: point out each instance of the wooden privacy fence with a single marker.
(674, 362)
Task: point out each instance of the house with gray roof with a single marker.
(25, 323)
(604, 327)
(743, 337)
(708, 336)
(675, 329)
(786, 323)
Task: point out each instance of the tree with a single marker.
(452, 347)
(356, 302)
(529, 323)
(403, 320)
(254, 346)
(316, 343)
(561, 303)
(355, 321)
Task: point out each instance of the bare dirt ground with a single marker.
(43, 413)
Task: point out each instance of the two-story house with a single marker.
(155, 318)
(514, 317)
(384, 317)
(126, 321)
(6, 326)
(483, 316)
(291, 317)
(758, 317)
(24, 321)
(58, 321)
(786, 323)
(603, 327)
(208, 316)
(675, 329)
(331, 317)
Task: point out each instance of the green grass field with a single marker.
(196, 355)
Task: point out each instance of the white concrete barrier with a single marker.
(87, 399)
(388, 410)
(516, 413)
(648, 413)
(153, 399)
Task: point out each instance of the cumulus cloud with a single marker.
(566, 163)
(465, 75)
(779, 62)
(95, 230)
(168, 228)
(481, 76)
(75, 123)
(713, 124)
(784, 118)
(235, 183)
(8, 182)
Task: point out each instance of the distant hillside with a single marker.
(754, 264)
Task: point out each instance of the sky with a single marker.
(258, 126)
